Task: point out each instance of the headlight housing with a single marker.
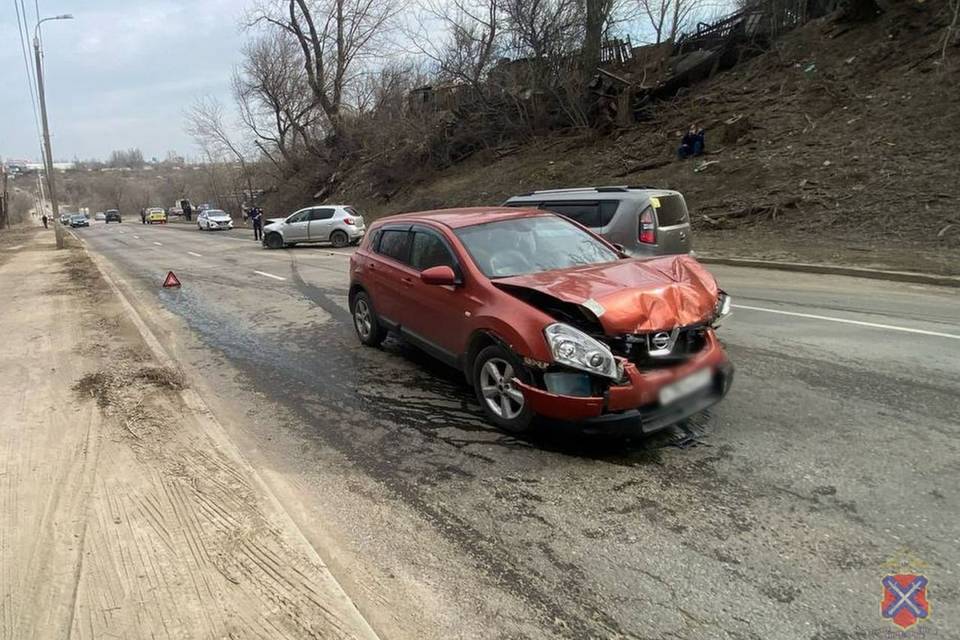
(724, 303)
(576, 349)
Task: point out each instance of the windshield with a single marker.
(215, 212)
(531, 245)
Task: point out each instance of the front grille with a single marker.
(637, 347)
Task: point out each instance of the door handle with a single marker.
(407, 281)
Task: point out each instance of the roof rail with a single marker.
(574, 189)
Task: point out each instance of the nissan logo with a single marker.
(661, 340)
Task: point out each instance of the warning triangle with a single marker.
(171, 280)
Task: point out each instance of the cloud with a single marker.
(120, 74)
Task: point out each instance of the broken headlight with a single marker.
(724, 303)
(576, 349)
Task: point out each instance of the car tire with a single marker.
(365, 322)
(502, 403)
(274, 241)
(339, 239)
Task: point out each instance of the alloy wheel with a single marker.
(499, 392)
(362, 318)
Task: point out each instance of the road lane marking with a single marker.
(269, 275)
(195, 254)
(859, 323)
(19, 246)
(136, 236)
(119, 231)
(159, 244)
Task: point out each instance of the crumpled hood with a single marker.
(632, 296)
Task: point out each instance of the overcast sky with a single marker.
(119, 75)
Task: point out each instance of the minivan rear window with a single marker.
(672, 210)
(593, 214)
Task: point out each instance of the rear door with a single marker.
(321, 223)
(390, 274)
(297, 229)
(673, 224)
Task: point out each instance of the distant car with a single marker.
(156, 215)
(213, 219)
(644, 221)
(64, 218)
(339, 225)
(79, 220)
(112, 215)
(99, 215)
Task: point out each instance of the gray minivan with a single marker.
(644, 220)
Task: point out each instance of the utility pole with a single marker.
(4, 200)
(51, 180)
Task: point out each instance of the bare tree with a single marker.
(471, 40)
(335, 37)
(205, 123)
(667, 18)
(275, 101)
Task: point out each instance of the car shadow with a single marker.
(551, 435)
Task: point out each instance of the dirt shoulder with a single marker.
(125, 511)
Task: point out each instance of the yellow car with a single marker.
(156, 215)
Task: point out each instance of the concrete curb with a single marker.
(837, 270)
(349, 615)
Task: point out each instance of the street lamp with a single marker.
(51, 186)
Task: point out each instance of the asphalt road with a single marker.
(835, 453)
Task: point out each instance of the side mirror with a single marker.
(440, 275)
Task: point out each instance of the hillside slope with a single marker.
(837, 145)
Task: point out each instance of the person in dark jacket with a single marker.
(256, 216)
(143, 216)
(693, 143)
(44, 218)
(187, 210)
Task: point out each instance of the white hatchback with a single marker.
(340, 225)
(213, 219)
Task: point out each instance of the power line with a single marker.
(23, 31)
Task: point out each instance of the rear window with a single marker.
(671, 211)
(395, 243)
(592, 213)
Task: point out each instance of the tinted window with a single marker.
(590, 214)
(395, 243)
(532, 245)
(321, 214)
(429, 251)
(671, 211)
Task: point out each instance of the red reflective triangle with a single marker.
(171, 280)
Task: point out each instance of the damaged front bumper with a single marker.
(633, 405)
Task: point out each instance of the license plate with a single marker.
(685, 386)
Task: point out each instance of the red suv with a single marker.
(544, 317)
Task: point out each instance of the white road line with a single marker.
(119, 231)
(859, 323)
(269, 275)
(195, 254)
(159, 244)
(136, 236)
(19, 246)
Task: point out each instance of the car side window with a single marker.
(586, 213)
(321, 213)
(300, 216)
(430, 251)
(395, 243)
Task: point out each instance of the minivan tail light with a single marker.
(648, 231)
